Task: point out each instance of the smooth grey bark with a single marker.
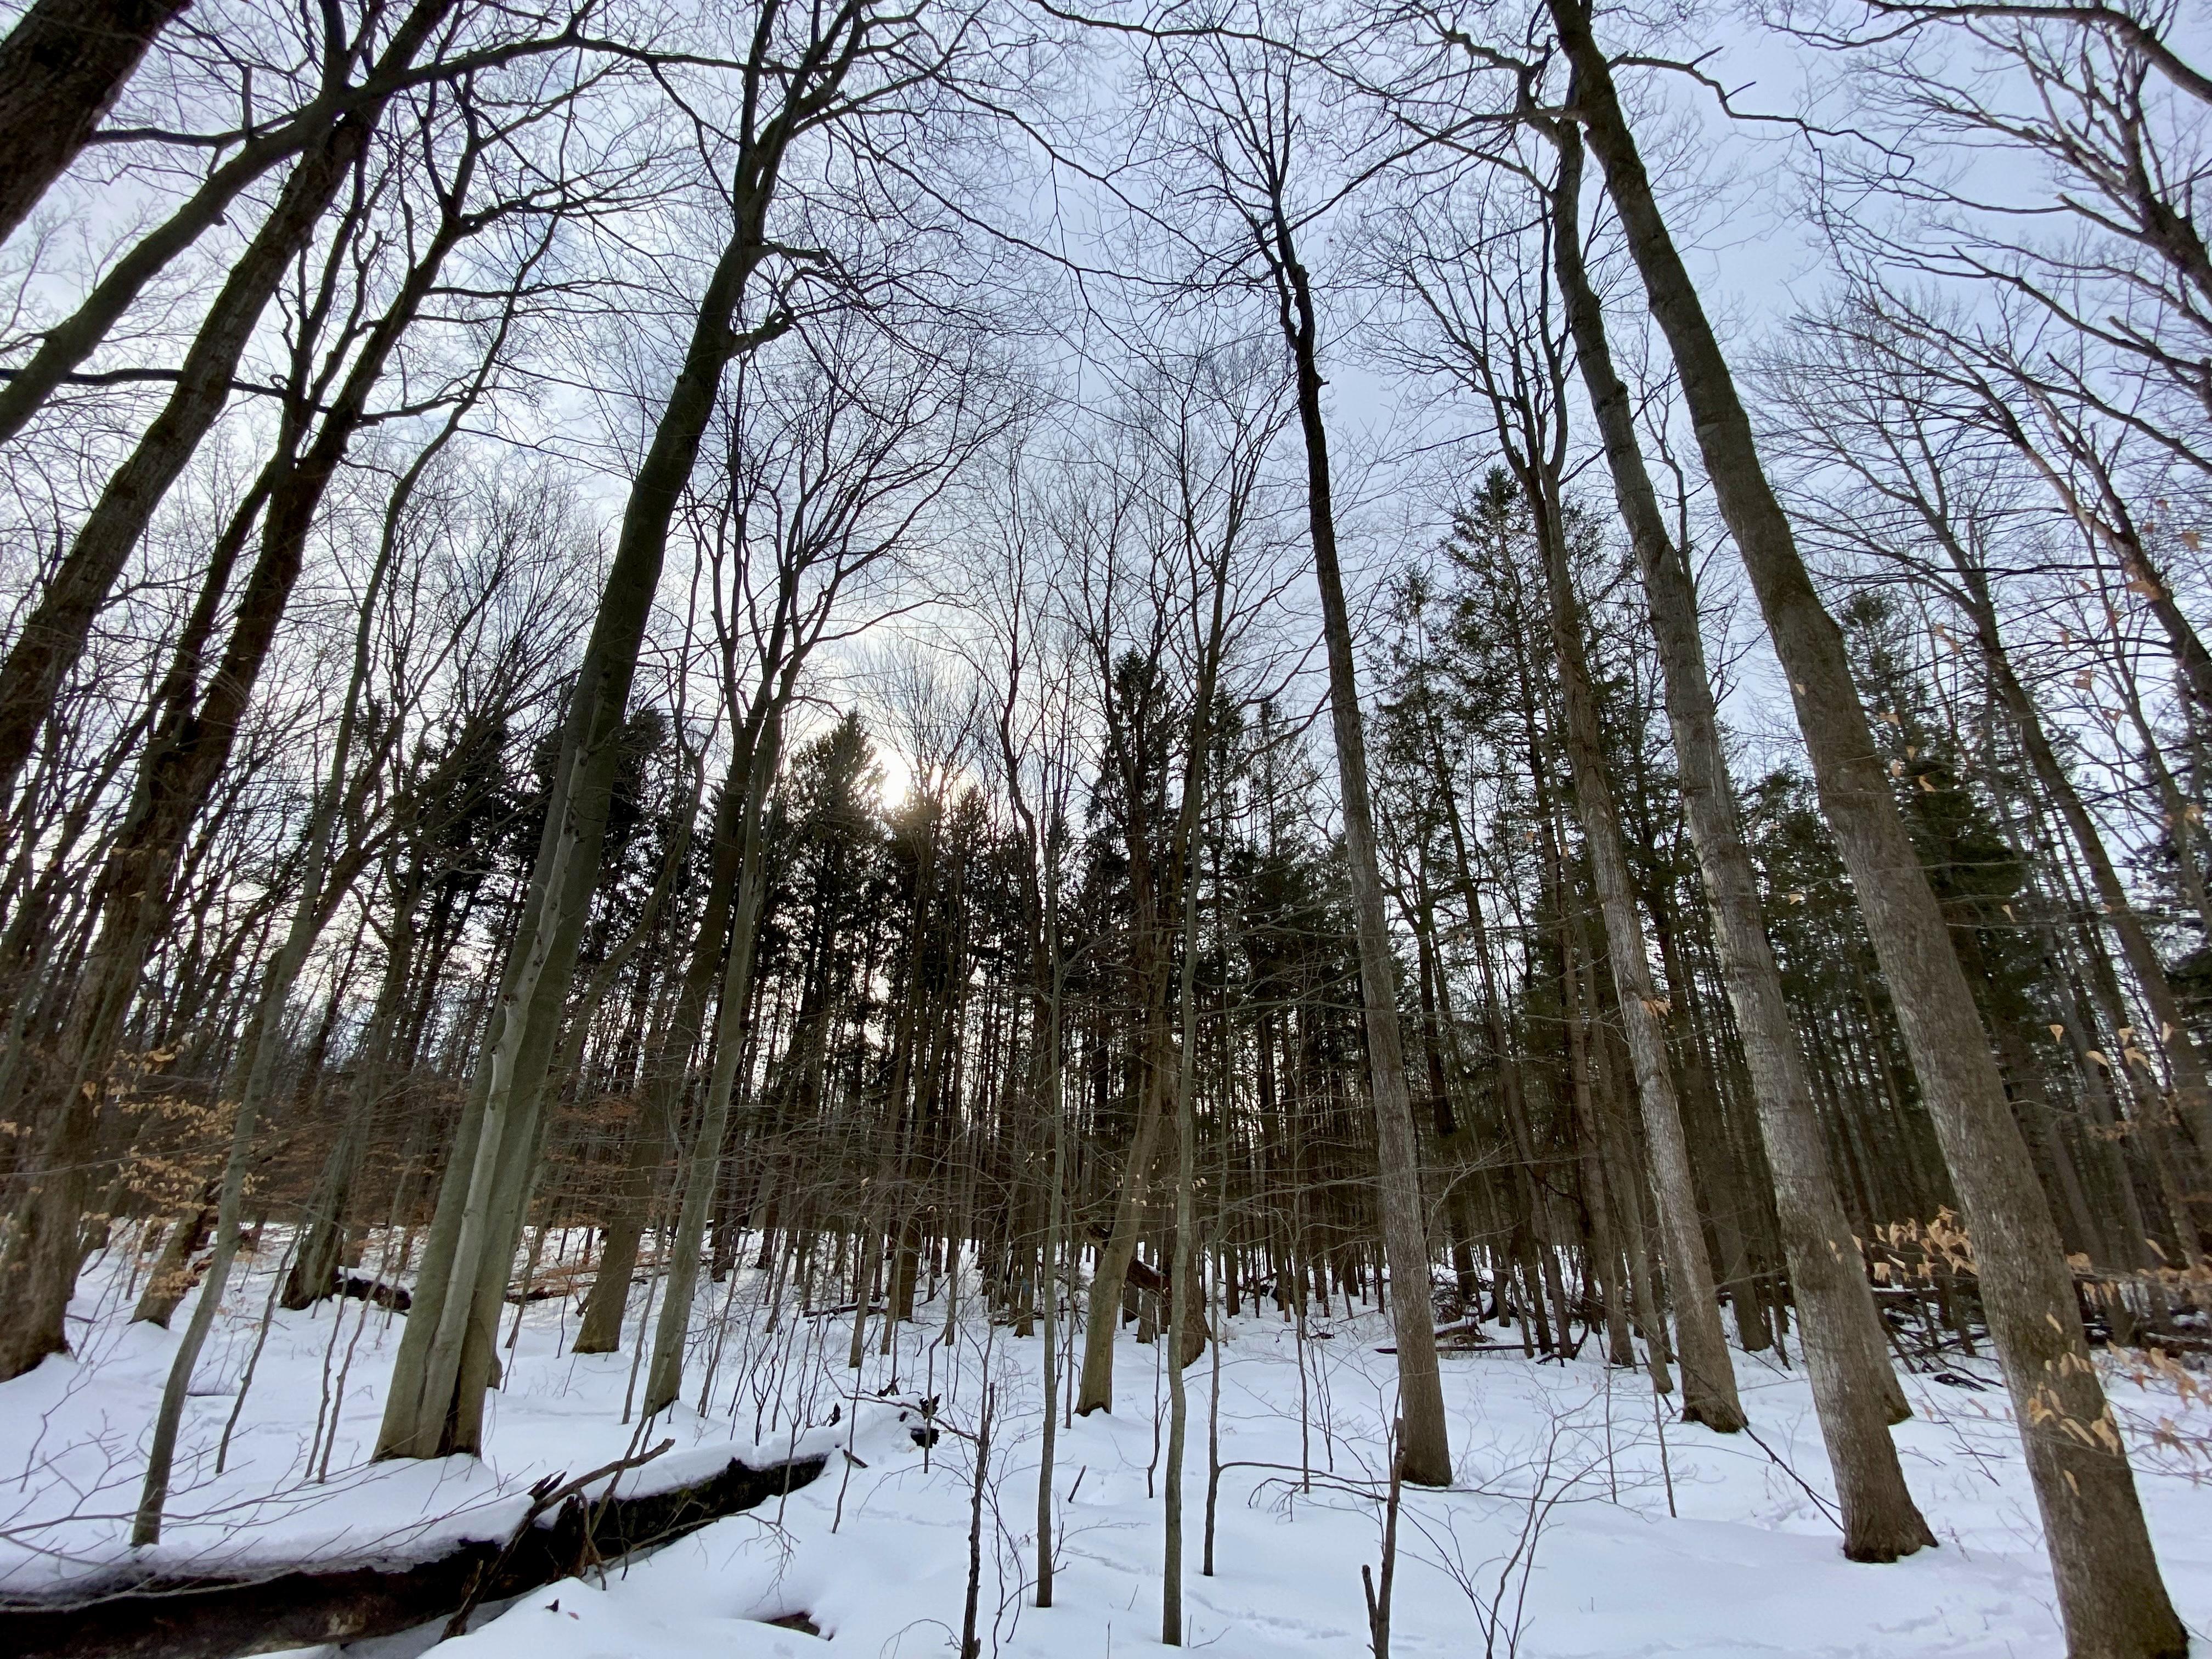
(1709, 1391)
(1148, 975)
(2112, 1597)
(1048, 975)
(1527, 402)
(445, 1359)
(1110, 1270)
(256, 1073)
(1055, 1225)
(389, 1046)
(318, 1255)
(1854, 1391)
(1181, 1299)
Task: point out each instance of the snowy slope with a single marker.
(1557, 1540)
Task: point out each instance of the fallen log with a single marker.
(280, 1608)
(398, 1298)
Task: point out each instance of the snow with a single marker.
(1556, 1538)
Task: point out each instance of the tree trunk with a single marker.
(172, 1277)
(1854, 1390)
(1426, 1449)
(436, 1400)
(2112, 1596)
(763, 747)
(2192, 1093)
(61, 67)
(1709, 1393)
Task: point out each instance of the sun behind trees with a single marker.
(861, 691)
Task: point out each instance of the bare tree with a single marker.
(798, 77)
(61, 67)
(1502, 340)
(1253, 135)
(2111, 1592)
(828, 470)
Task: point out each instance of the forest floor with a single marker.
(1578, 1524)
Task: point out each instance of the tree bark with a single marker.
(1426, 1449)
(2112, 1597)
(1854, 1390)
(61, 69)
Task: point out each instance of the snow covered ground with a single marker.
(1579, 1524)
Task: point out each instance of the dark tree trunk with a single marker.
(1426, 1449)
(61, 67)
